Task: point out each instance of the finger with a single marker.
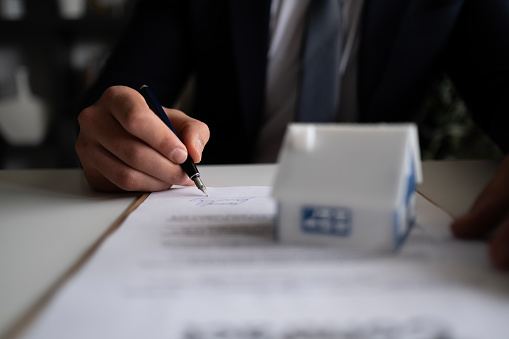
(499, 248)
(98, 181)
(479, 222)
(490, 208)
(194, 133)
(130, 109)
(138, 155)
(104, 164)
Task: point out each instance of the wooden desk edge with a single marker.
(22, 324)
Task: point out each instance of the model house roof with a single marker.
(347, 164)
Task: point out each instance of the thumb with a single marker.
(490, 208)
(488, 211)
(499, 249)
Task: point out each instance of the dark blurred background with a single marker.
(51, 50)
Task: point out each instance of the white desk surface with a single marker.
(50, 219)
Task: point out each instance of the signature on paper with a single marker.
(220, 201)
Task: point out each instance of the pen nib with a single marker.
(200, 185)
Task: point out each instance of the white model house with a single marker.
(347, 185)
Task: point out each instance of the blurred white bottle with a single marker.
(12, 9)
(72, 9)
(24, 118)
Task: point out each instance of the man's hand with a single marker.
(124, 146)
(489, 217)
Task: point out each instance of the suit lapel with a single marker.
(250, 44)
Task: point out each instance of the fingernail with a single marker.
(198, 144)
(178, 155)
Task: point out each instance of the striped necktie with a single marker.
(319, 88)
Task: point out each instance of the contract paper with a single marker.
(187, 266)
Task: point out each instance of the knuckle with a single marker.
(132, 119)
(134, 155)
(111, 92)
(86, 117)
(203, 130)
(82, 146)
(167, 143)
(197, 128)
(127, 179)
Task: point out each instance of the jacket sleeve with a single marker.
(478, 63)
(153, 50)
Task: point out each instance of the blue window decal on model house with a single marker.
(411, 196)
(402, 227)
(326, 220)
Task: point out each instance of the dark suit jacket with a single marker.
(405, 44)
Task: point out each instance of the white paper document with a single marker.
(188, 266)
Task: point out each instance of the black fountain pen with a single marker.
(188, 166)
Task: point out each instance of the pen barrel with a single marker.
(189, 167)
(156, 107)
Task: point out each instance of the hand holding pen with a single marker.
(124, 146)
(188, 165)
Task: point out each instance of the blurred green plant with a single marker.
(447, 130)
